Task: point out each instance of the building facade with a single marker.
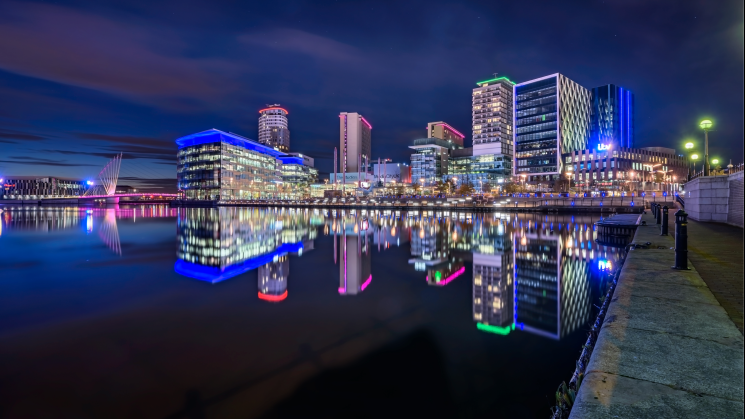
(552, 117)
(46, 187)
(296, 177)
(611, 118)
(429, 163)
(625, 169)
(214, 165)
(391, 172)
(273, 128)
(445, 132)
(355, 141)
(492, 119)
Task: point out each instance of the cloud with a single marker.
(140, 62)
(42, 162)
(294, 40)
(18, 135)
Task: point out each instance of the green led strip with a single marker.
(496, 329)
(498, 78)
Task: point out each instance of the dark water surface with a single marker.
(152, 312)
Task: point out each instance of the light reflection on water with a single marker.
(531, 276)
(531, 272)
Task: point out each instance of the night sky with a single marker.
(83, 80)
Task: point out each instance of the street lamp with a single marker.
(715, 162)
(689, 147)
(706, 126)
(694, 157)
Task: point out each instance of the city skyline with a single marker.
(68, 118)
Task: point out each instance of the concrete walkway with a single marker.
(716, 251)
(667, 348)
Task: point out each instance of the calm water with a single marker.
(152, 312)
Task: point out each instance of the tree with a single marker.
(561, 185)
(399, 189)
(465, 189)
(442, 187)
(486, 187)
(416, 187)
(512, 187)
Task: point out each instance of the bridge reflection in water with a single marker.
(530, 272)
(102, 220)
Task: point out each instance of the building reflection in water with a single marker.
(531, 273)
(493, 278)
(352, 244)
(216, 244)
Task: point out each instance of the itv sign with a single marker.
(602, 147)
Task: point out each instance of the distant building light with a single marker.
(90, 182)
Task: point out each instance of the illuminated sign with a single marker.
(605, 265)
(604, 147)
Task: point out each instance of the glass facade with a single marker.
(479, 170)
(215, 165)
(612, 118)
(551, 117)
(296, 178)
(430, 162)
(48, 187)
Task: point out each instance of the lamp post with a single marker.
(715, 162)
(632, 181)
(689, 147)
(706, 126)
(523, 176)
(694, 157)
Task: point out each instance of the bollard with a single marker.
(681, 240)
(657, 214)
(664, 221)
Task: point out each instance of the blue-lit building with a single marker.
(217, 165)
(611, 118)
(552, 117)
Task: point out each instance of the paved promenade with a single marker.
(716, 251)
(667, 349)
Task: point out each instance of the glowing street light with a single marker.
(689, 145)
(694, 157)
(706, 126)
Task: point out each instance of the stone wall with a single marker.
(736, 199)
(715, 199)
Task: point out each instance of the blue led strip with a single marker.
(215, 274)
(216, 136)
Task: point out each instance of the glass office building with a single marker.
(430, 161)
(296, 178)
(216, 165)
(551, 117)
(612, 118)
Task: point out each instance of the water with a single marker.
(152, 312)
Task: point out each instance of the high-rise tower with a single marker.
(492, 118)
(612, 118)
(273, 129)
(552, 117)
(355, 141)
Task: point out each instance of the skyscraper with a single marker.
(552, 116)
(492, 117)
(612, 118)
(273, 130)
(355, 140)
